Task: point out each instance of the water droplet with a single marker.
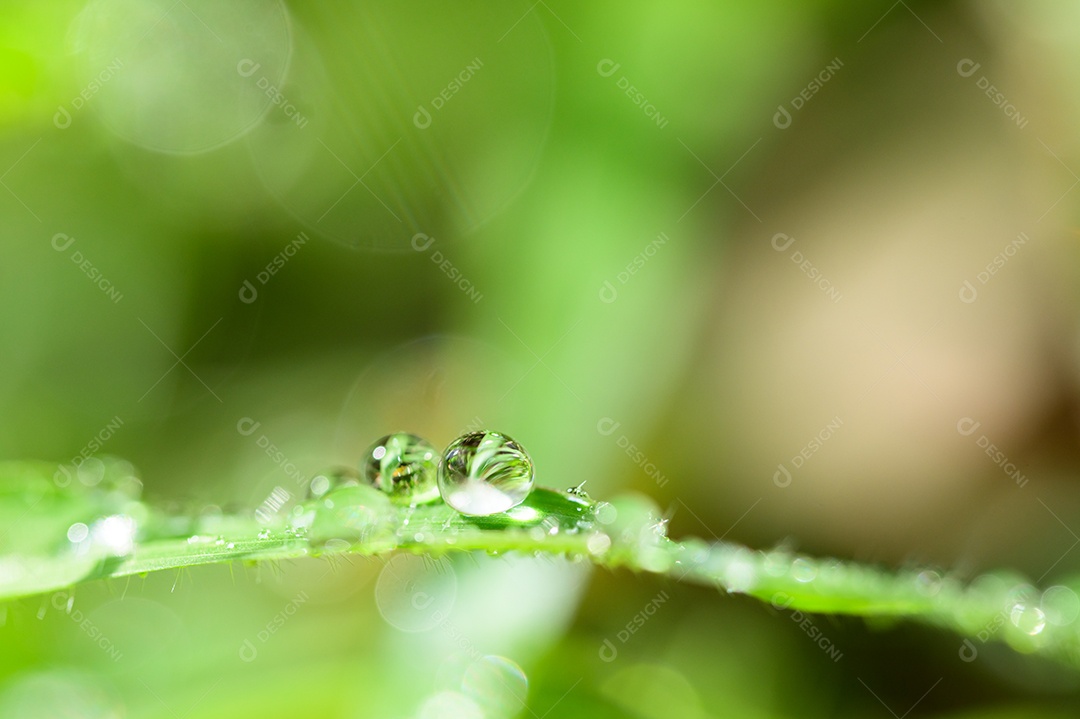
(777, 563)
(1027, 618)
(264, 534)
(1061, 605)
(578, 491)
(403, 466)
(803, 570)
(484, 473)
(331, 479)
(77, 532)
(928, 582)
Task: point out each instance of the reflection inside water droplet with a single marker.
(485, 473)
(403, 466)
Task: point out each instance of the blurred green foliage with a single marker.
(177, 178)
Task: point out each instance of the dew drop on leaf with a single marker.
(485, 473)
(403, 466)
(1028, 618)
(803, 570)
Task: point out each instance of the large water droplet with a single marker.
(403, 466)
(485, 472)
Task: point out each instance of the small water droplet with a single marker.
(264, 534)
(78, 532)
(740, 576)
(331, 479)
(485, 473)
(403, 466)
(928, 582)
(777, 563)
(803, 570)
(1027, 618)
(578, 491)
